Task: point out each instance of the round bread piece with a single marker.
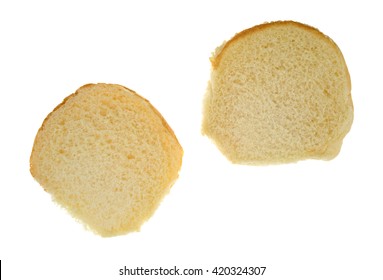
(279, 92)
(108, 156)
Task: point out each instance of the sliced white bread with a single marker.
(279, 92)
(107, 156)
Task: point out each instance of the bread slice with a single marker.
(279, 92)
(108, 156)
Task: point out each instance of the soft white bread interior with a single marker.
(279, 92)
(108, 156)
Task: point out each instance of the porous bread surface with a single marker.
(279, 92)
(108, 156)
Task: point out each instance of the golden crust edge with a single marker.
(66, 99)
(217, 55)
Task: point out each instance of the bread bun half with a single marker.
(279, 92)
(107, 156)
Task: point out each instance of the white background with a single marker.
(309, 220)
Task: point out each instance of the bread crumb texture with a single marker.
(107, 156)
(279, 92)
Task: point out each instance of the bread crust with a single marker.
(216, 58)
(90, 85)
